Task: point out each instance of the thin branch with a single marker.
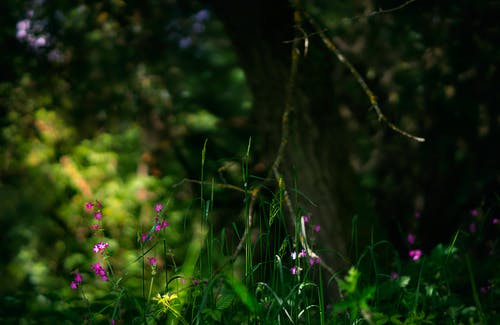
(381, 11)
(369, 93)
(220, 185)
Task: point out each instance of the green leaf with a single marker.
(224, 302)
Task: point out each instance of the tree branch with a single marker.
(369, 93)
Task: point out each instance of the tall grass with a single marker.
(258, 273)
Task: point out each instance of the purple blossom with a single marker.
(303, 253)
(22, 28)
(411, 238)
(162, 225)
(40, 41)
(317, 228)
(152, 260)
(89, 205)
(99, 271)
(98, 215)
(202, 15)
(100, 247)
(314, 260)
(306, 218)
(394, 275)
(145, 237)
(185, 42)
(158, 207)
(295, 270)
(495, 221)
(76, 282)
(474, 213)
(415, 254)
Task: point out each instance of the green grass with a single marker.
(220, 282)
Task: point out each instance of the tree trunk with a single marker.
(319, 143)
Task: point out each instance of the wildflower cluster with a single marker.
(313, 259)
(76, 282)
(158, 225)
(99, 271)
(414, 253)
(100, 247)
(96, 209)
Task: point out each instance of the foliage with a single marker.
(112, 101)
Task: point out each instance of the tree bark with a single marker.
(317, 153)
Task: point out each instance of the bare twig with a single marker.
(381, 11)
(369, 93)
(220, 185)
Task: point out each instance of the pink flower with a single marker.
(472, 228)
(76, 282)
(306, 218)
(473, 213)
(99, 271)
(145, 237)
(303, 253)
(158, 207)
(162, 225)
(100, 247)
(394, 275)
(317, 228)
(411, 238)
(314, 260)
(294, 270)
(415, 254)
(495, 221)
(89, 205)
(94, 227)
(152, 260)
(99, 205)
(98, 215)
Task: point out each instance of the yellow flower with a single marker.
(166, 299)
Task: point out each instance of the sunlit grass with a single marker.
(266, 276)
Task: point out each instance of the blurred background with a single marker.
(114, 100)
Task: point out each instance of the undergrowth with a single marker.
(265, 274)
